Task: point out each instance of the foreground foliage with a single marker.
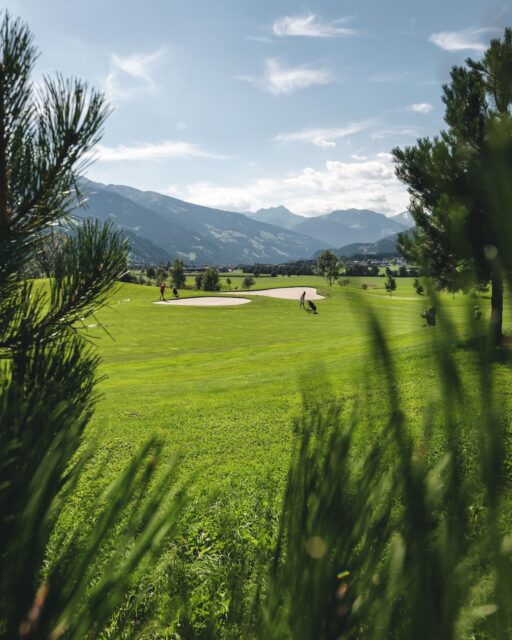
(48, 371)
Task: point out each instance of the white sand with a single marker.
(207, 301)
(285, 293)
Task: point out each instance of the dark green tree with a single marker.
(210, 280)
(459, 181)
(247, 282)
(177, 272)
(328, 265)
(228, 282)
(199, 281)
(390, 284)
(48, 370)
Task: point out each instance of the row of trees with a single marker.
(176, 271)
(295, 268)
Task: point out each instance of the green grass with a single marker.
(222, 386)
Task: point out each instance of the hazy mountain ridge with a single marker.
(404, 218)
(343, 227)
(197, 234)
(386, 245)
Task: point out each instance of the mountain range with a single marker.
(160, 228)
(197, 234)
(340, 228)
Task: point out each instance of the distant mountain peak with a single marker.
(279, 207)
(279, 216)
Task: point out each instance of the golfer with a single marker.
(302, 299)
(162, 290)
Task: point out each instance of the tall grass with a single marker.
(397, 538)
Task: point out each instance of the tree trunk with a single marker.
(497, 308)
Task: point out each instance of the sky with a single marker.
(244, 104)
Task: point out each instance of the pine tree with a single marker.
(48, 370)
(390, 283)
(458, 181)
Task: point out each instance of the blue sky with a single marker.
(242, 104)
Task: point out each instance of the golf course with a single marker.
(223, 386)
(255, 322)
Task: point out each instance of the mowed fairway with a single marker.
(222, 384)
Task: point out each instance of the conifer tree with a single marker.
(458, 181)
(178, 274)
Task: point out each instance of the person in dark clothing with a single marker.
(302, 299)
(162, 290)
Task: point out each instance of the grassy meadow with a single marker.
(222, 385)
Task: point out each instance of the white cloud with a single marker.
(401, 131)
(165, 150)
(466, 39)
(420, 107)
(324, 138)
(310, 25)
(279, 79)
(369, 183)
(132, 75)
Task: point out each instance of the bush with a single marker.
(247, 282)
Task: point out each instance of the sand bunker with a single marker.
(207, 301)
(285, 293)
